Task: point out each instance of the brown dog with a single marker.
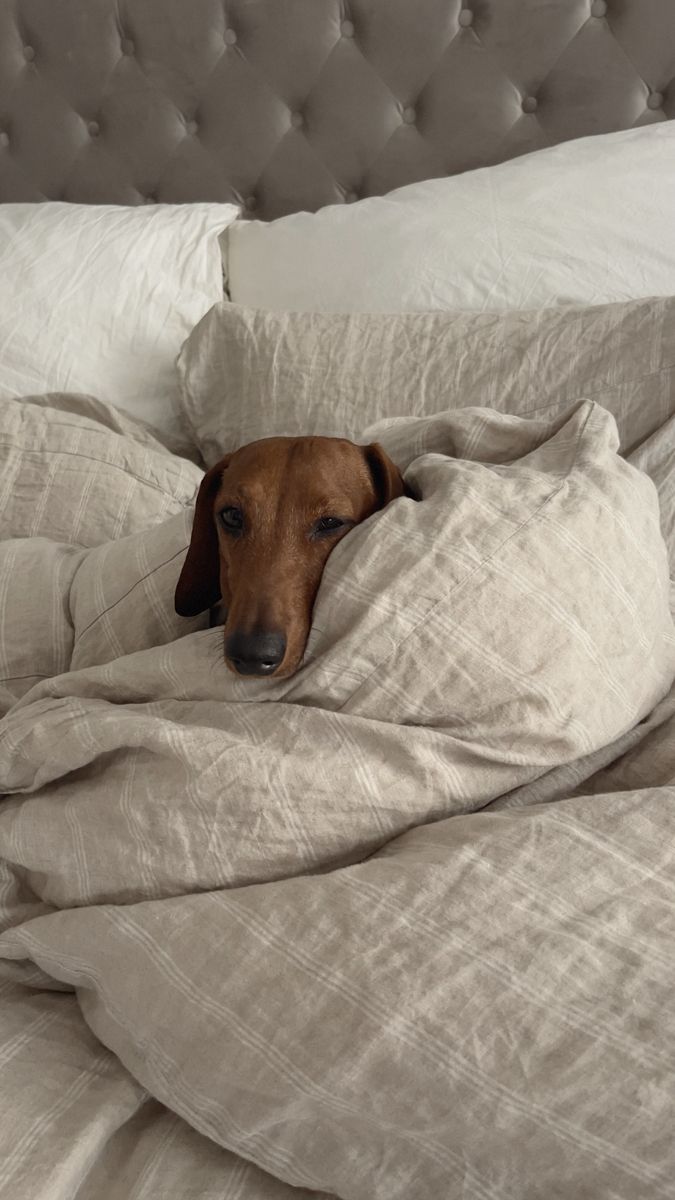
(266, 519)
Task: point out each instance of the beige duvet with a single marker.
(401, 928)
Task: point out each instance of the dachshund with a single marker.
(266, 519)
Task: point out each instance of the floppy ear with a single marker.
(387, 479)
(198, 586)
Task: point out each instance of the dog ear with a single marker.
(387, 480)
(198, 586)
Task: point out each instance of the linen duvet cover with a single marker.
(398, 928)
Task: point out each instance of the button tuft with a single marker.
(350, 197)
(93, 129)
(530, 104)
(230, 37)
(191, 127)
(4, 138)
(297, 120)
(599, 8)
(28, 53)
(409, 116)
(250, 203)
(347, 29)
(465, 18)
(655, 100)
(127, 46)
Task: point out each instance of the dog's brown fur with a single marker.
(268, 572)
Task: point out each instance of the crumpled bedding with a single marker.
(374, 988)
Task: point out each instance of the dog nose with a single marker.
(255, 653)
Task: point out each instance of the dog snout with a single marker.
(257, 653)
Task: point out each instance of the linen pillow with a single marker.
(99, 298)
(66, 477)
(121, 598)
(247, 374)
(62, 607)
(585, 222)
(69, 484)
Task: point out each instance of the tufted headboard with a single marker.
(294, 104)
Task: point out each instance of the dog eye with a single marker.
(233, 519)
(328, 525)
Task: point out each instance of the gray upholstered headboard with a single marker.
(293, 104)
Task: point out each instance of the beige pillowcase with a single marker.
(122, 595)
(64, 475)
(62, 608)
(247, 374)
(69, 485)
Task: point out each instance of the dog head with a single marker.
(266, 519)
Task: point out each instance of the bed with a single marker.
(399, 927)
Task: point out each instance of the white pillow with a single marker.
(99, 299)
(586, 222)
